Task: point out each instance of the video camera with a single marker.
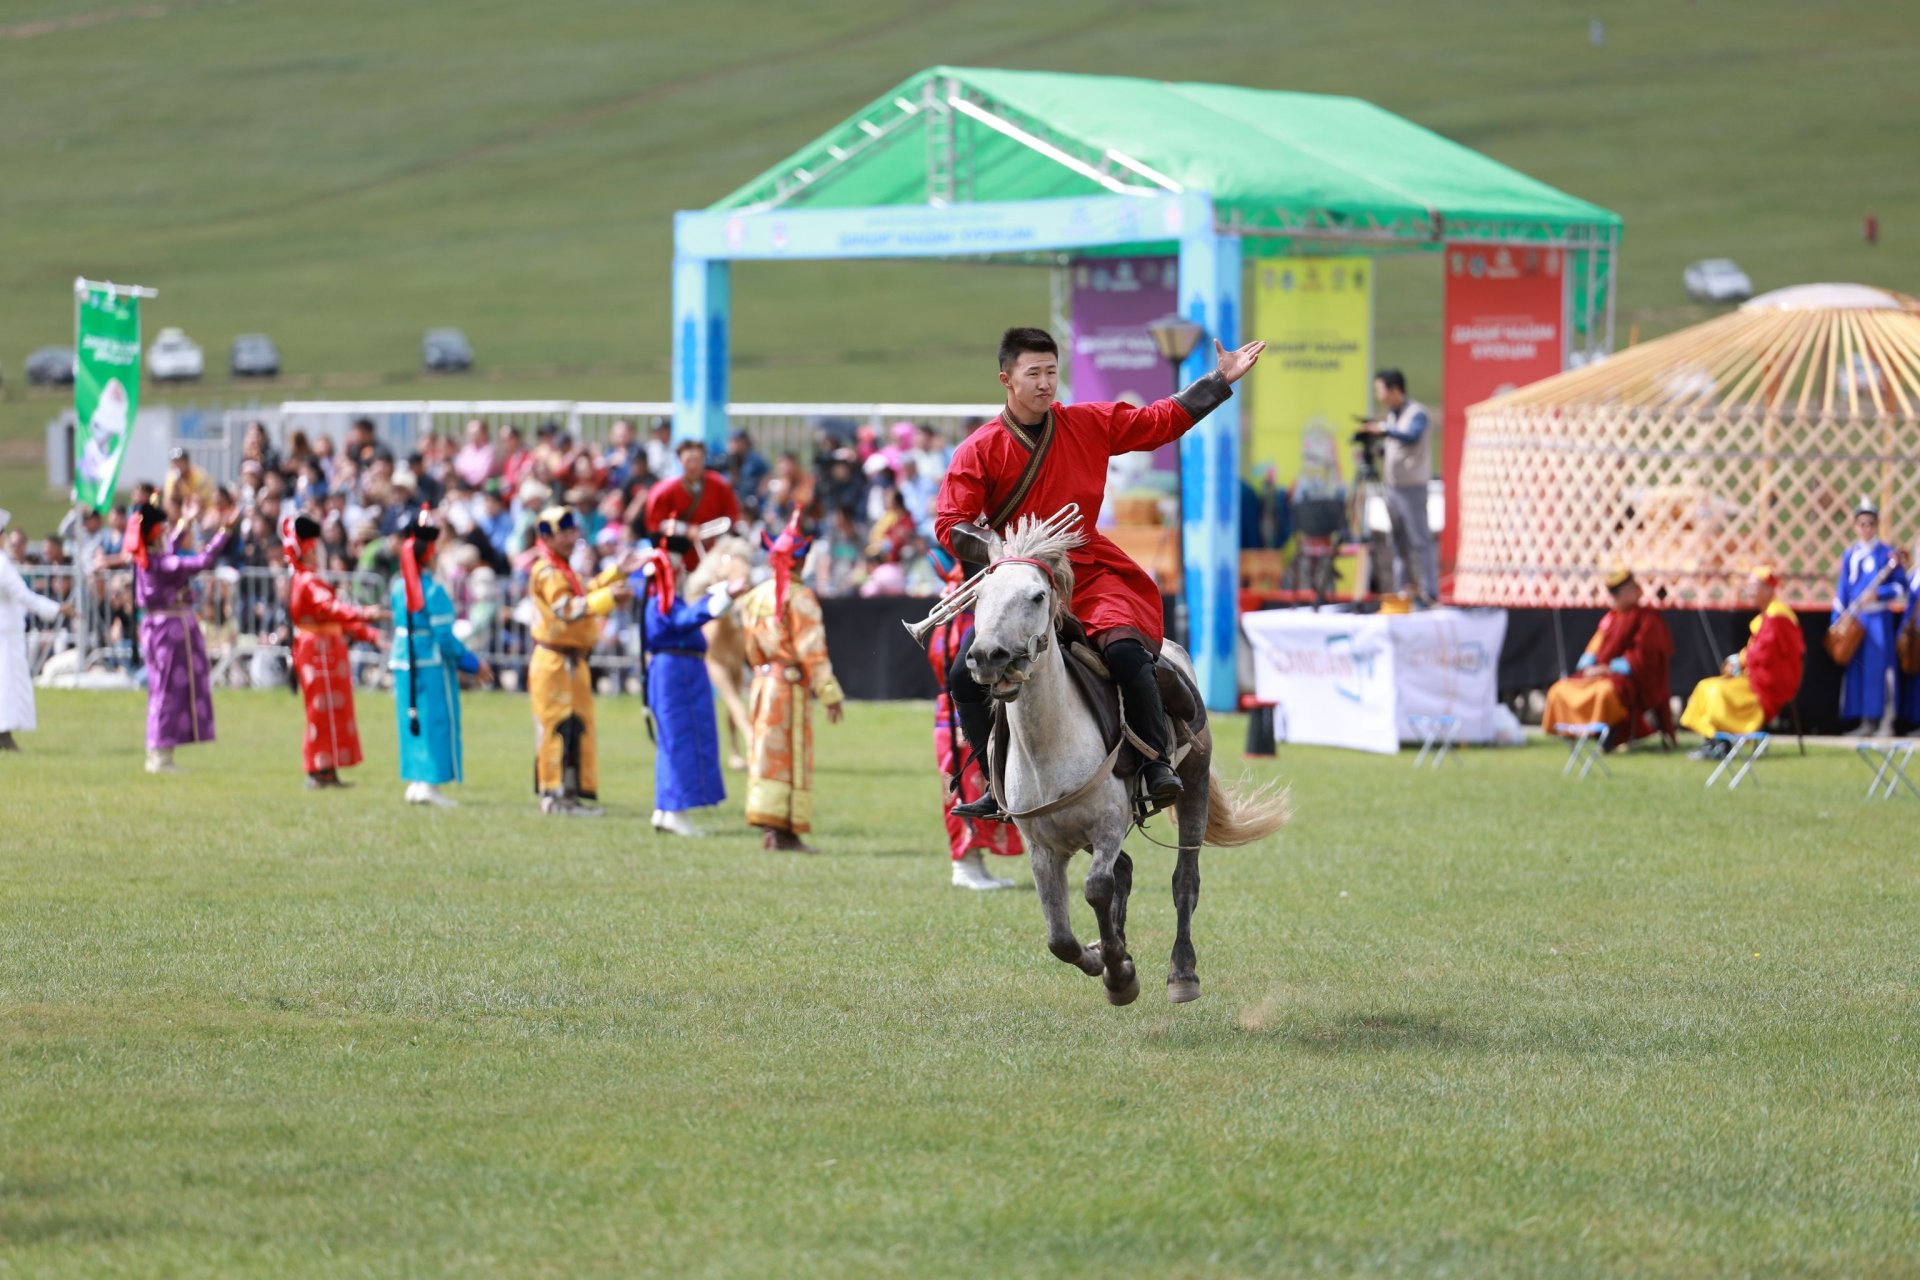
(1369, 457)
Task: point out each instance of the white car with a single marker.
(174, 357)
(1717, 280)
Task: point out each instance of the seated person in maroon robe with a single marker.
(1621, 679)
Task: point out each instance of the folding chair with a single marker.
(1893, 758)
(1439, 735)
(1586, 747)
(1753, 744)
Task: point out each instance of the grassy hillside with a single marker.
(346, 175)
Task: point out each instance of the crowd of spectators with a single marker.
(867, 496)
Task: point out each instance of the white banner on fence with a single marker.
(1344, 680)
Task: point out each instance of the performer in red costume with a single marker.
(325, 626)
(1114, 598)
(967, 841)
(690, 499)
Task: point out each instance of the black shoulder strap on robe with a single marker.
(1038, 444)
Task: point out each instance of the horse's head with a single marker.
(1026, 589)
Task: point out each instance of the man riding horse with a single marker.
(1038, 457)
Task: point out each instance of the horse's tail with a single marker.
(1243, 813)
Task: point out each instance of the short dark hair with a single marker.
(691, 442)
(1017, 342)
(1392, 379)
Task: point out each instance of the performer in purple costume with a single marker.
(179, 689)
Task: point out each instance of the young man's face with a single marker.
(693, 462)
(1865, 527)
(1031, 382)
(1391, 397)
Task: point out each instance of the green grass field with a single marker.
(1475, 1023)
(345, 176)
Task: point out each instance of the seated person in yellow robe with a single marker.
(1757, 683)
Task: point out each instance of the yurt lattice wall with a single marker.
(1744, 440)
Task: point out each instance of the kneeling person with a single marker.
(1756, 683)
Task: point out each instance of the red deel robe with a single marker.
(1109, 589)
(1774, 657)
(325, 626)
(672, 500)
(1640, 636)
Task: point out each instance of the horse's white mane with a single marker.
(1029, 540)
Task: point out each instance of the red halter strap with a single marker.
(1041, 565)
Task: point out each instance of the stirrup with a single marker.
(985, 809)
(1163, 785)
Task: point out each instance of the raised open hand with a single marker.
(1234, 364)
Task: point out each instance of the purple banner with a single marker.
(1114, 299)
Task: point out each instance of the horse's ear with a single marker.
(765, 541)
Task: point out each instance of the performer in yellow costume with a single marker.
(787, 647)
(559, 676)
(1757, 683)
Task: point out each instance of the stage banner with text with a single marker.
(1114, 300)
(1328, 676)
(106, 389)
(1505, 326)
(1316, 315)
(1357, 681)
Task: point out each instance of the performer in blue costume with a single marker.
(425, 660)
(1907, 713)
(1872, 586)
(686, 759)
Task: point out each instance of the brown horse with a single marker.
(727, 559)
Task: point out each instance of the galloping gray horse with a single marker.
(1058, 775)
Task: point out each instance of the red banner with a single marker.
(1505, 327)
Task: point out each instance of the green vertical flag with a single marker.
(106, 387)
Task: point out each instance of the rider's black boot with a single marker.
(976, 722)
(1132, 668)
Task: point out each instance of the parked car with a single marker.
(1717, 280)
(446, 350)
(50, 367)
(254, 356)
(174, 357)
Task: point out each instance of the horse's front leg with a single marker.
(1050, 881)
(1108, 885)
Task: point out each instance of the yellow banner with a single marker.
(1316, 315)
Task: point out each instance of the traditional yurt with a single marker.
(1747, 439)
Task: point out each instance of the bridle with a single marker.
(1037, 644)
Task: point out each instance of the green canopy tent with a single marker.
(1290, 172)
(1036, 166)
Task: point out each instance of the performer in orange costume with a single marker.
(324, 628)
(787, 649)
(566, 770)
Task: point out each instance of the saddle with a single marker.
(1186, 715)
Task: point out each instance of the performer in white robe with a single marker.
(16, 679)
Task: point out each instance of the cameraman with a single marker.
(1409, 469)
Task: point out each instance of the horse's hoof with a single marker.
(1181, 990)
(1127, 994)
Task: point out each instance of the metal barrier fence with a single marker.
(243, 616)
